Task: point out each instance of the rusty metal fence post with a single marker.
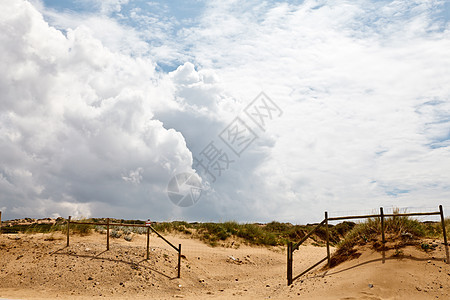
(441, 210)
(0, 222)
(179, 260)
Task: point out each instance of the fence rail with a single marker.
(308, 235)
(386, 215)
(109, 224)
(382, 216)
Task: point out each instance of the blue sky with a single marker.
(103, 102)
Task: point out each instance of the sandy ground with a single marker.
(39, 266)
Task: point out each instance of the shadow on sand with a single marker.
(372, 261)
(98, 256)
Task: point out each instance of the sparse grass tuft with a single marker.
(40, 228)
(81, 229)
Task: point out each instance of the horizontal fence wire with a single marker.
(335, 216)
(127, 225)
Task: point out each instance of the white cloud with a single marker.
(110, 6)
(115, 36)
(353, 80)
(75, 116)
(363, 86)
(134, 176)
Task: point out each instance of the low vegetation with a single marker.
(270, 234)
(346, 236)
(400, 231)
(214, 234)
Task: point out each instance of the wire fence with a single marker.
(147, 225)
(382, 215)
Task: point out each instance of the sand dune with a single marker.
(39, 266)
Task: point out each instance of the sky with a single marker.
(249, 111)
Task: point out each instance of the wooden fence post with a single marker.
(383, 241)
(328, 239)
(148, 242)
(68, 230)
(441, 210)
(107, 233)
(0, 222)
(289, 263)
(179, 260)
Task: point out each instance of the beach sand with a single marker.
(39, 266)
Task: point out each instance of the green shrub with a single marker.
(115, 234)
(163, 227)
(297, 232)
(344, 227)
(277, 227)
(213, 232)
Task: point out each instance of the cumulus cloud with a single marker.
(363, 87)
(89, 123)
(75, 117)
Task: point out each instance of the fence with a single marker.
(108, 224)
(291, 248)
